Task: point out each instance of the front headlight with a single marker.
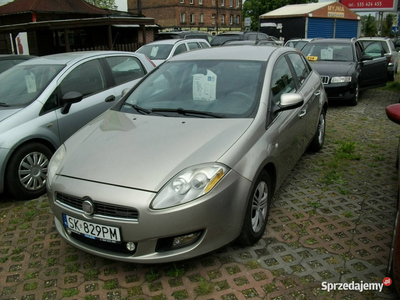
(341, 79)
(189, 184)
(54, 164)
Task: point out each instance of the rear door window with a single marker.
(180, 49)
(125, 68)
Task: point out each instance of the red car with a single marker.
(393, 113)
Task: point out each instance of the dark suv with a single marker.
(345, 68)
(221, 38)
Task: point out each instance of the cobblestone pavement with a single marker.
(331, 221)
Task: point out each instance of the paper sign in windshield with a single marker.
(30, 83)
(327, 53)
(204, 86)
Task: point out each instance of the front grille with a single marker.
(103, 209)
(325, 79)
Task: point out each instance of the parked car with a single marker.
(376, 46)
(188, 161)
(297, 43)
(8, 61)
(249, 42)
(36, 115)
(187, 34)
(393, 271)
(160, 51)
(345, 68)
(219, 39)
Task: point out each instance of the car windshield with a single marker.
(156, 51)
(20, 85)
(204, 88)
(328, 52)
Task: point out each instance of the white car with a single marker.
(160, 51)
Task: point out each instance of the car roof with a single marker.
(374, 38)
(330, 41)
(14, 56)
(174, 41)
(70, 57)
(242, 52)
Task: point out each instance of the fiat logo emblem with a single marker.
(88, 206)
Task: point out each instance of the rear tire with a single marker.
(26, 171)
(257, 211)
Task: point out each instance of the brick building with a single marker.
(56, 26)
(205, 15)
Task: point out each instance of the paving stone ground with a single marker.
(331, 221)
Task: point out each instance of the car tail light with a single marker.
(391, 59)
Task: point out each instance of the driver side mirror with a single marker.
(366, 57)
(290, 101)
(68, 99)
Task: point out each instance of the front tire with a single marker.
(27, 171)
(257, 211)
(319, 137)
(354, 100)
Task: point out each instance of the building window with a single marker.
(201, 18)
(237, 3)
(213, 19)
(231, 3)
(222, 2)
(231, 20)
(237, 19)
(200, 2)
(191, 1)
(182, 1)
(192, 19)
(222, 19)
(183, 17)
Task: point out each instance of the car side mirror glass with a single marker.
(393, 112)
(68, 99)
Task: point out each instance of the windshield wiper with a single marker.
(2, 104)
(138, 108)
(185, 112)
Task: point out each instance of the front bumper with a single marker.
(340, 91)
(217, 215)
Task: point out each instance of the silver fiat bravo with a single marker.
(190, 158)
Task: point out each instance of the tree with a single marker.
(255, 8)
(368, 25)
(110, 4)
(387, 25)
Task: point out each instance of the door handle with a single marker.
(302, 113)
(110, 98)
(317, 93)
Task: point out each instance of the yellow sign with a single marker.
(312, 58)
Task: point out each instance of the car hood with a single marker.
(7, 112)
(144, 152)
(333, 68)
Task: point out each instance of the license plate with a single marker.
(91, 230)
